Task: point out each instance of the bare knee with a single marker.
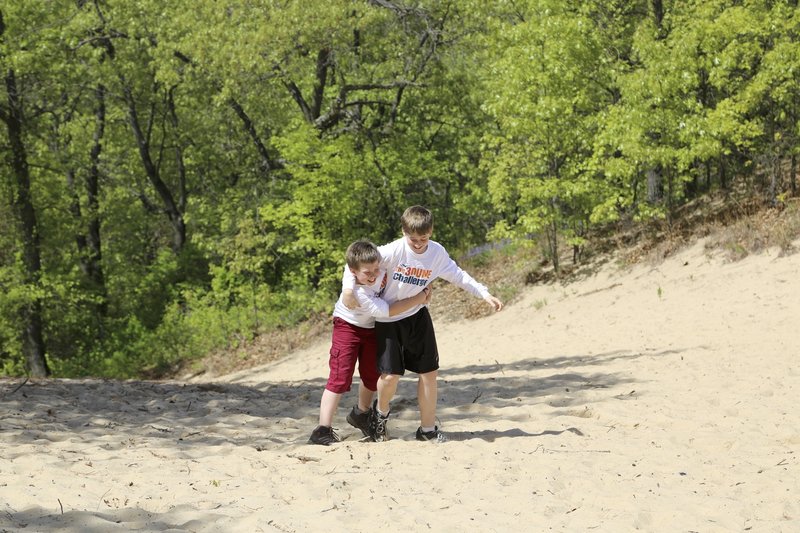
(390, 379)
(427, 377)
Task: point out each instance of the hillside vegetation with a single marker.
(727, 227)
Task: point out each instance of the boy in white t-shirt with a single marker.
(406, 340)
(354, 341)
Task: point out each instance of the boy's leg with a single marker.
(390, 365)
(387, 387)
(367, 369)
(324, 434)
(361, 414)
(342, 363)
(365, 397)
(389, 337)
(327, 407)
(427, 393)
(423, 358)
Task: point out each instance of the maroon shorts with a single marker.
(352, 344)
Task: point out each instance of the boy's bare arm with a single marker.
(421, 298)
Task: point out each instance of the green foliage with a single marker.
(11, 356)
(551, 84)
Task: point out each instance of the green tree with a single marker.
(552, 80)
(19, 69)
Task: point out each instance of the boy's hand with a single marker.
(349, 299)
(494, 302)
(428, 291)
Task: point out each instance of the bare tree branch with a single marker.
(250, 128)
(323, 60)
(294, 90)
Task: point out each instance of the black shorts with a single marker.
(407, 344)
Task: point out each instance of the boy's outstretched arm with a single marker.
(422, 298)
(377, 307)
(455, 275)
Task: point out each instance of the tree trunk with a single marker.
(89, 244)
(774, 180)
(170, 206)
(793, 175)
(723, 177)
(670, 198)
(658, 13)
(552, 238)
(323, 61)
(552, 232)
(33, 337)
(692, 187)
(180, 164)
(654, 193)
(94, 257)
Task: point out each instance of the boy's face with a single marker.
(366, 273)
(418, 243)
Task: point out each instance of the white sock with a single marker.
(428, 429)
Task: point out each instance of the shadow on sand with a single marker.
(208, 414)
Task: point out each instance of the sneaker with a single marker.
(435, 435)
(360, 420)
(377, 424)
(324, 435)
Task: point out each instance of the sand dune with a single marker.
(658, 398)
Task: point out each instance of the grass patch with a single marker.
(767, 228)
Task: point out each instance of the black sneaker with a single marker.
(360, 420)
(377, 424)
(324, 435)
(435, 435)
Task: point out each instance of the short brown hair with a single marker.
(417, 220)
(361, 252)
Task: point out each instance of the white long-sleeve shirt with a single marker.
(371, 304)
(409, 272)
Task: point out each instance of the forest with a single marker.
(179, 176)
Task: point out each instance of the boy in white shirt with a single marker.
(406, 341)
(354, 341)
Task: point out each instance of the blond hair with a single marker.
(361, 252)
(417, 220)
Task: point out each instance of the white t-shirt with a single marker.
(409, 272)
(370, 302)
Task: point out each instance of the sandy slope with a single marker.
(661, 398)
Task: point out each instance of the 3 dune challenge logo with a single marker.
(411, 275)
